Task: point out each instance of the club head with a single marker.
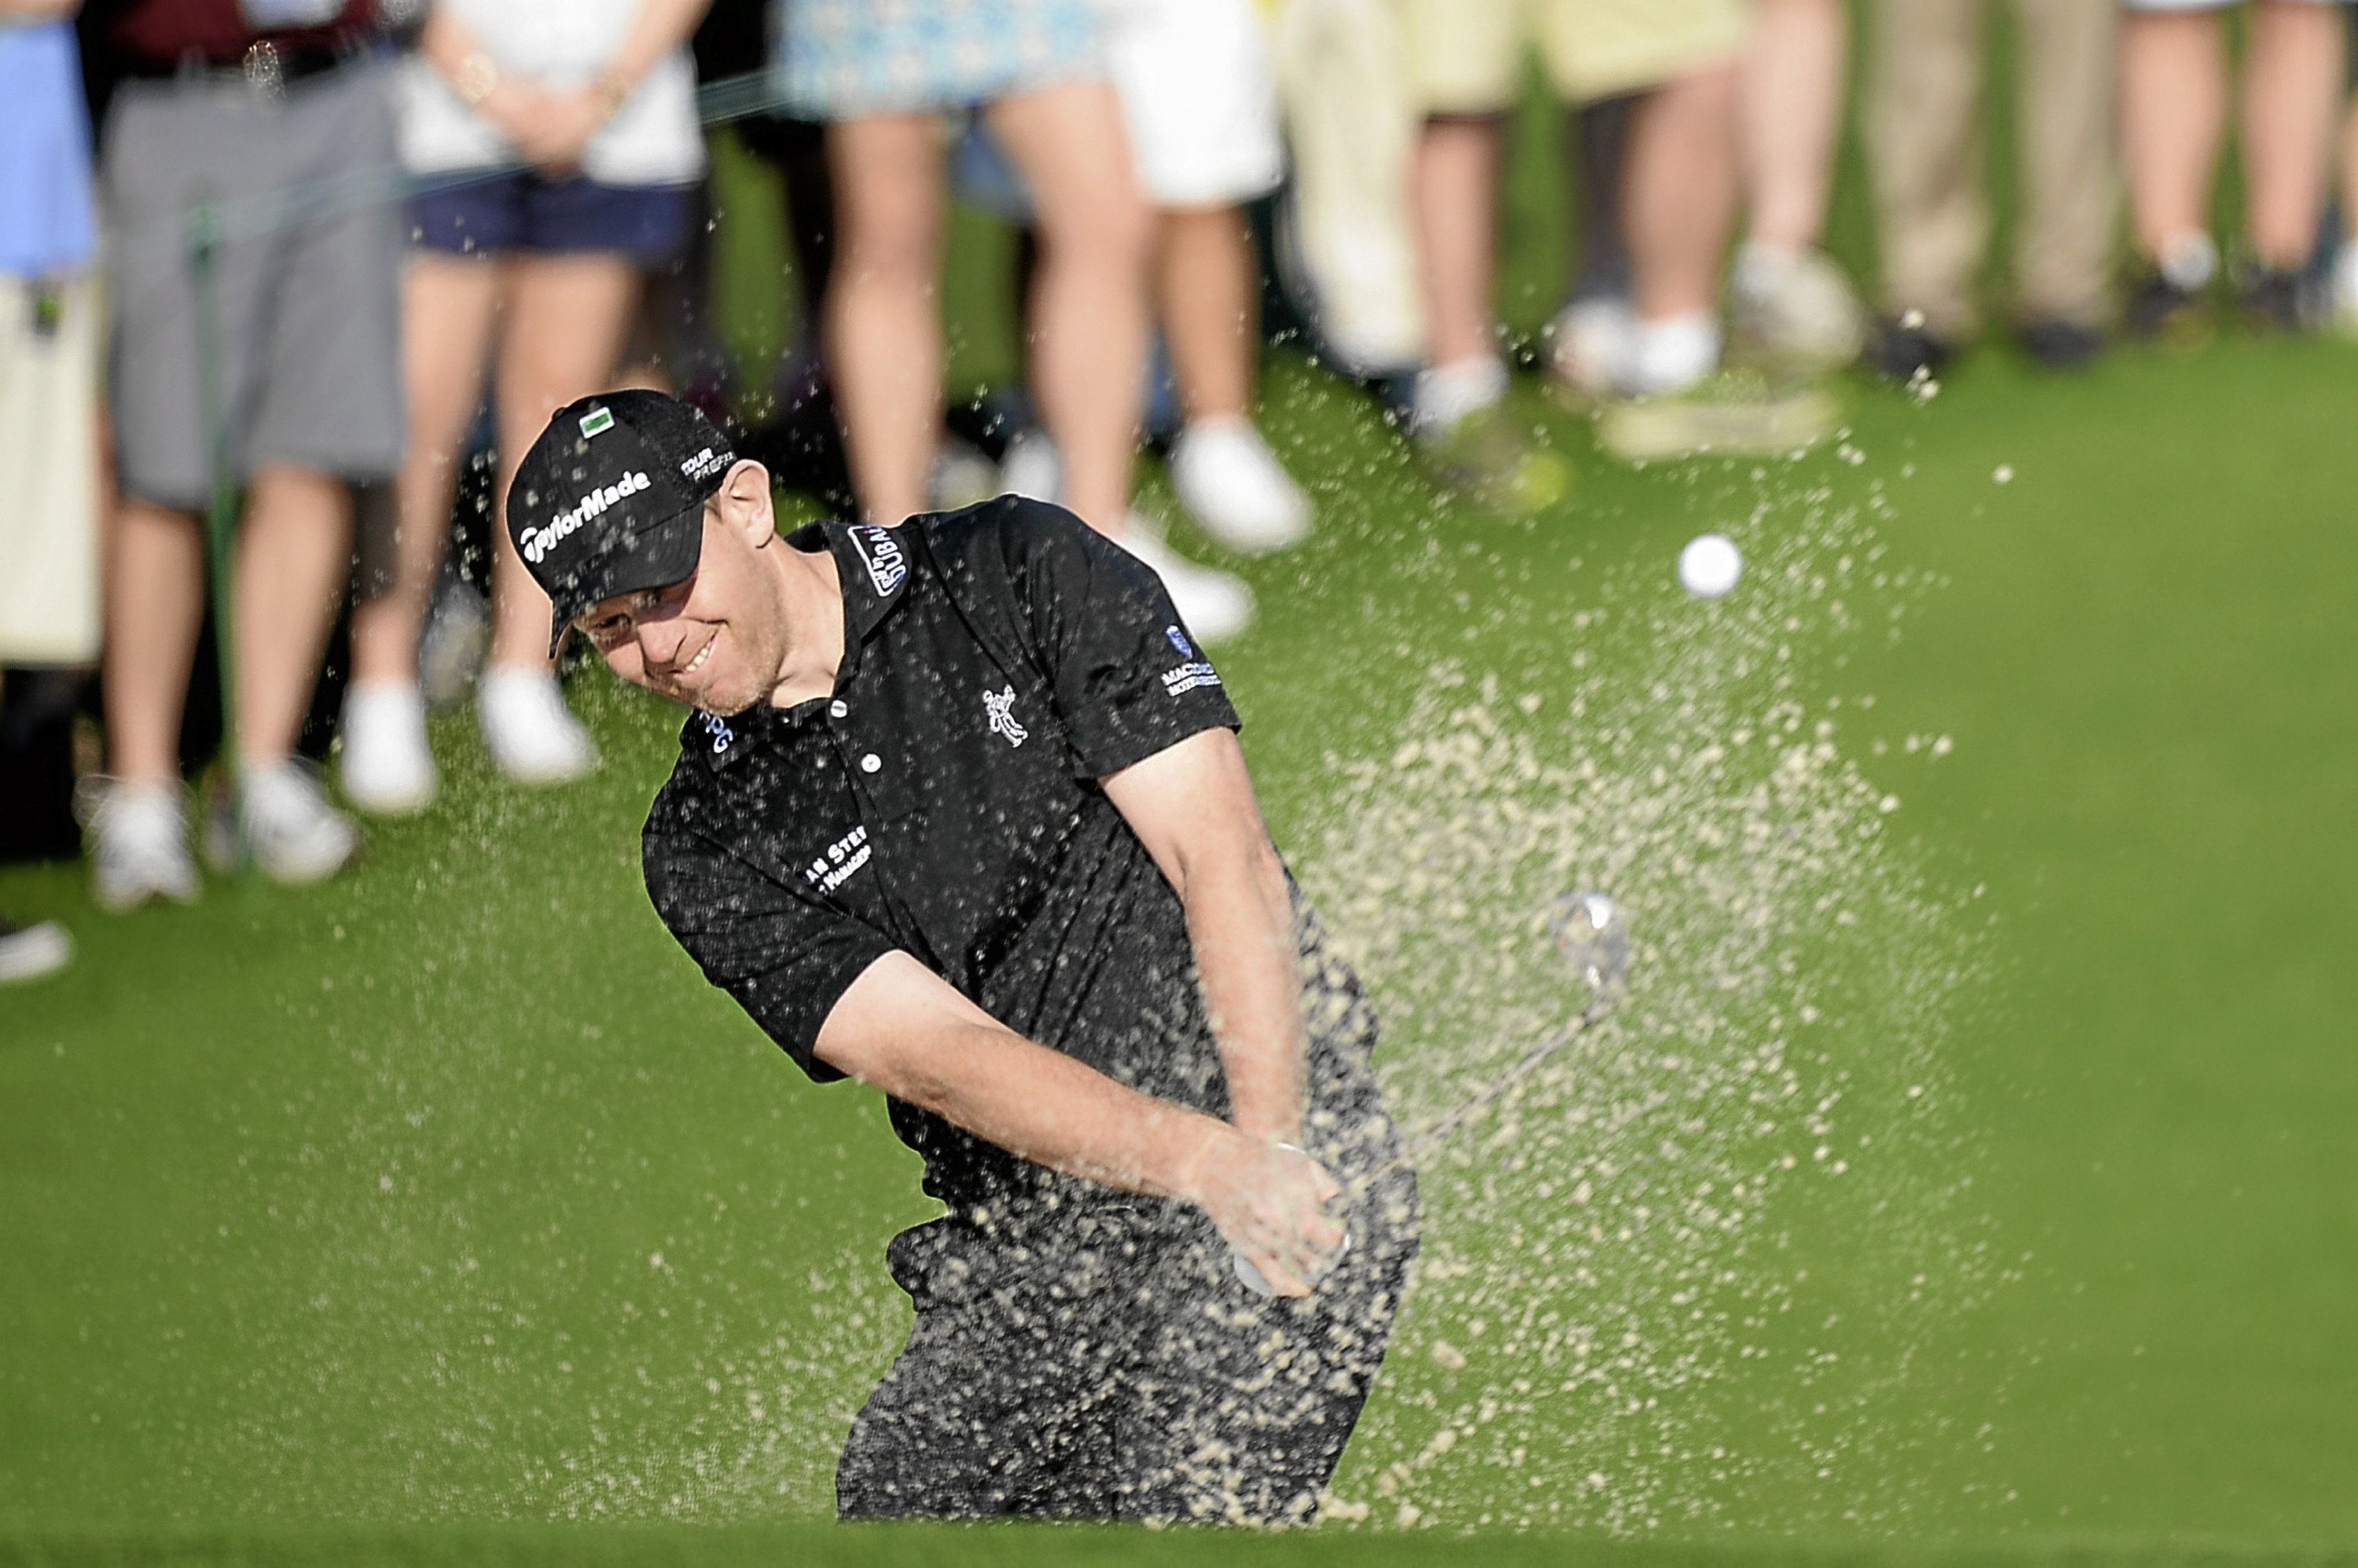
(1594, 938)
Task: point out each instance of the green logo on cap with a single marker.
(597, 422)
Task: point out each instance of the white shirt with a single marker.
(652, 138)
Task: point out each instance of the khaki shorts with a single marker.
(49, 469)
(1466, 57)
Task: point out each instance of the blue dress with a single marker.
(842, 59)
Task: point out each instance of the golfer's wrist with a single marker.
(1206, 1160)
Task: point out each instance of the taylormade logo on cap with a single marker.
(538, 542)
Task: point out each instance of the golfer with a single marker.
(960, 813)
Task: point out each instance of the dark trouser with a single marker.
(1122, 1371)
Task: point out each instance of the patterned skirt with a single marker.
(847, 58)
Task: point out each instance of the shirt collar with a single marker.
(872, 565)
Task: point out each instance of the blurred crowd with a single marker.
(273, 338)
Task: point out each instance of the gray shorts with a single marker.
(310, 279)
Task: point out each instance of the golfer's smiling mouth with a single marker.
(683, 677)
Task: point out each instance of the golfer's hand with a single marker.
(1269, 1203)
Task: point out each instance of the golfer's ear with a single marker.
(745, 503)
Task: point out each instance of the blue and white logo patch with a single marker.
(882, 554)
(1179, 640)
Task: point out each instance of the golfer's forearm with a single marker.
(1051, 1109)
(1240, 921)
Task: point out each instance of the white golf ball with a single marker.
(1710, 564)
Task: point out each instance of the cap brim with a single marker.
(655, 556)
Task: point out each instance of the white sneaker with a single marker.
(1032, 467)
(138, 843)
(450, 650)
(29, 952)
(1592, 341)
(1795, 310)
(531, 737)
(1213, 604)
(387, 769)
(959, 476)
(1230, 482)
(284, 818)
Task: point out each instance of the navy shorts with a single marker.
(525, 212)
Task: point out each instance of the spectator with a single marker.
(1924, 134)
(882, 78)
(547, 261)
(1465, 65)
(1199, 99)
(273, 124)
(1790, 304)
(48, 383)
(2173, 113)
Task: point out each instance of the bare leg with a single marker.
(1682, 192)
(155, 604)
(1205, 294)
(568, 317)
(1791, 113)
(2292, 82)
(448, 305)
(2173, 111)
(1089, 297)
(884, 336)
(292, 553)
(1453, 200)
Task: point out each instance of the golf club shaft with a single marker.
(1437, 1132)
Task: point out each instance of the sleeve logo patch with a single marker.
(597, 422)
(845, 855)
(1179, 640)
(1000, 705)
(1186, 677)
(880, 554)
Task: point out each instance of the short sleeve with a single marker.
(787, 959)
(1127, 676)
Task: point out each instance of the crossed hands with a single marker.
(1270, 1201)
(549, 126)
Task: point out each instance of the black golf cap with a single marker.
(610, 499)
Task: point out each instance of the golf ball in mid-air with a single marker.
(1710, 564)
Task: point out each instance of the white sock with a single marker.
(2189, 261)
(1674, 353)
(1446, 394)
(2345, 273)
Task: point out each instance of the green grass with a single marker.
(344, 1205)
(442, 1213)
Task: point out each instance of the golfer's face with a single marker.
(702, 641)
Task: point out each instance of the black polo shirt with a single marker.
(943, 801)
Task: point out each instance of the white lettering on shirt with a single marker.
(1186, 677)
(845, 855)
(880, 554)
